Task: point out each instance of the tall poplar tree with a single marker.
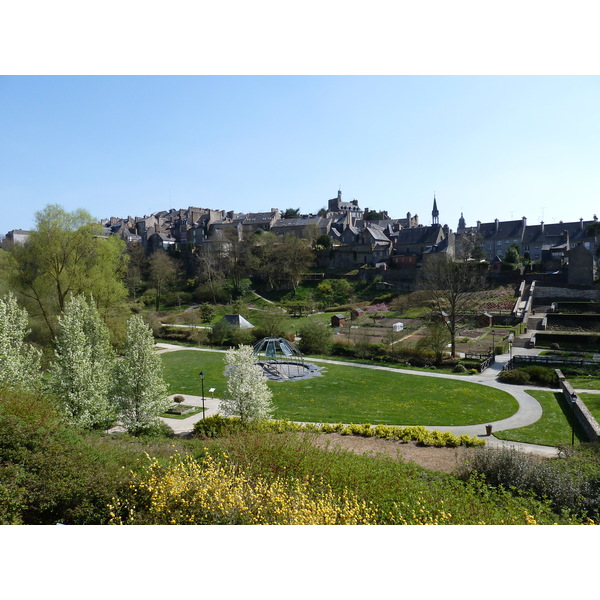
(141, 392)
(19, 361)
(81, 375)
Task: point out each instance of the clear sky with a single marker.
(488, 146)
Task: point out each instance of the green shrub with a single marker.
(571, 483)
(217, 426)
(459, 368)
(49, 473)
(515, 377)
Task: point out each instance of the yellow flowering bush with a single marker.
(210, 491)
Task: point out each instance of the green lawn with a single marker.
(554, 427)
(585, 382)
(354, 395)
(592, 401)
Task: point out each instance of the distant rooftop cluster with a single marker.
(357, 237)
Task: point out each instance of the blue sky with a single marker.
(488, 146)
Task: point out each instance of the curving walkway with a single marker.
(529, 410)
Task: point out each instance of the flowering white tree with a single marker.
(141, 392)
(19, 361)
(81, 375)
(247, 396)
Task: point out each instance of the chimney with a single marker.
(524, 222)
(581, 224)
(497, 225)
(478, 225)
(542, 226)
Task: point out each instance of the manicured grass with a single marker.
(592, 401)
(554, 427)
(585, 382)
(190, 413)
(354, 395)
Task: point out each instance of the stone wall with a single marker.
(546, 295)
(584, 417)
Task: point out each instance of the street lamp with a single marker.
(493, 341)
(202, 380)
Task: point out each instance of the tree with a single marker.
(81, 375)
(451, 289)
(273, 321)
(248, 396)
(209, 261)
(470, 246)
(291, 213)
(65, 254)
(19, 361)
(282, 260)
(436, 340)
(315, 337)
(163, 272)
(135, 268)
(141, 392)
(512, 258)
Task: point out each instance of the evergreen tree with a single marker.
(141, 392)
(19, 361)
(248, 396)
(81, 375)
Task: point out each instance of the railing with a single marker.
(553, 360)
(486, 360)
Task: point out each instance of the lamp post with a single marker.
(493, 341)
(202, 380)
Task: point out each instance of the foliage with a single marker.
(19, 361)
(272, 322)
(163, 272)
(248, 395)
(215, 491)
(569, 484)
(81, 375)
(207, 312)
(217, 426)
(141, 393)
(452, 290)
(315, 337)
(436, 340)
(66, 255)
(280, 261)
(515, 377)
(399, 493)
(48, 473)
(333, 291)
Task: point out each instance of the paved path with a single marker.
(529, 410)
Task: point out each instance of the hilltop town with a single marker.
(348, 237)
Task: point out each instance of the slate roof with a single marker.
(419, 235)
(237, 321)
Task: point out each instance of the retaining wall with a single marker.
(584, 417)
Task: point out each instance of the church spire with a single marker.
(435, 213)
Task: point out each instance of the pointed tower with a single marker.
(435, 213)
(462, 225)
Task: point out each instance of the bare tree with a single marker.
(452, 290)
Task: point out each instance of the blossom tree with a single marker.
(141, 392)
(19, 361)
(248, 396)
(81, 375)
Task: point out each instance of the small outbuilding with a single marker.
(356, 313)
(338, 321)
